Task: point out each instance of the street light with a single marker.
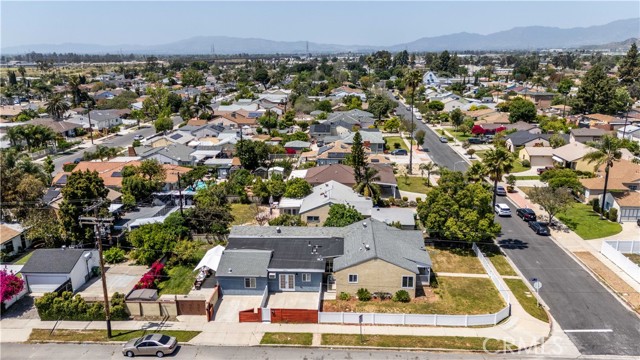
(456, 163)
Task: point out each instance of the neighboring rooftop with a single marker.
(53, 261)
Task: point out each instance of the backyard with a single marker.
(243, 213)
(392, 140)
(453, 295)
(455, 260)
(414, 184)
(586, 223)
(179, 280)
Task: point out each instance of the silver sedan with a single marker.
(152, 344)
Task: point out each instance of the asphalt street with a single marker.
(115, 141)
(104, 352)
(576, 300)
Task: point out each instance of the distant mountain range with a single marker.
(519, 38)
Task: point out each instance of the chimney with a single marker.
(131, 151)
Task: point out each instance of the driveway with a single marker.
(120, 278)
(230, 305)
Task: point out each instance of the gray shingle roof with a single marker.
(236, 262)
(53, 261)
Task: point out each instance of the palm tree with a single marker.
(430, 168)
(204, 105)
(74, 88)
(366, 187)
(476, 172)
(498, 161)
(14, 135)
(412, 78)
(57, 106)
(607, 152)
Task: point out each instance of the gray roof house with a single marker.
(302, 259)
(48, 269)
(175, 154)
(370, 138)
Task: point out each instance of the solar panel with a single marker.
(176, 136)
(116, 174)
(62, 180)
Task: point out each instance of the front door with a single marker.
(287, 282)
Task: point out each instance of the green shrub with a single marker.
(595, 204)
(68, 167)
(65, 306)
(526, 163)
(396, 145)
(114, 255)
(402, 296)
(404, 198)
(364, 294)
(613, 214)
(344, 296)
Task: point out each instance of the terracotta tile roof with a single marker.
(601, 117)
(344, 174)
(623, 172)
(197, 122)
(630, 199)
(495, 118)
(236, 117)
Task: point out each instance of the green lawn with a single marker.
(517, 167)
(243, 213)
(453, 295)
(586, 223)
(180, 280)
(528, 177)
(413, 184)
(459, 136)
(480, 153)
(526, 299)
(283, 338)
(426, 342)
(392, 140)
(455, 260)
(23, 260)
(101, 335)
(499, 261)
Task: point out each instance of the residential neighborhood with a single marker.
(319, 201)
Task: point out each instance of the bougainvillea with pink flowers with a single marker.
(151, 278)
(10, 285)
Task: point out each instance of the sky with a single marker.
(334, 22)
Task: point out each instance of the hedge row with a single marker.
(65, 306)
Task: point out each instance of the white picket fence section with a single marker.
(614, 251)
(429, 319)
(495, 278)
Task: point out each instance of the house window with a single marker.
(249, 283)
(306, 277)
(272, 275)
(353, 278)
(313, 219)
(407, 282)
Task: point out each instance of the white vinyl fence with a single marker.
(614, 251)
(429, 319)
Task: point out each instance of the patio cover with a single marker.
(211, 259)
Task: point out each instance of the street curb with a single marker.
(444, 350)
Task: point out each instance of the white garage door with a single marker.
(44, 283)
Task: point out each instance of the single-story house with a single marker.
(48, 269)
(12, 239)
(526, 138)
(627, 204)
(296, 146)
(624, 176)
(303, 259)
(174, 154)
(570, 156)
(537, 156)
(344, 175)
(584, 135)
(371, 139)
(630, 132)
(344, 91)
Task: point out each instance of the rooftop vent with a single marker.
(278, 229)
(364, 224)
(366, 246)
(230, 271)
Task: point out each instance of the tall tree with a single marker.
(596, 93)
(629, 68)
(607, 152)
(429, 168)
(456, 117)
(522, 110)
(552, 200)
(499, 161)
(84, 191)
(413, 78)
(564, 87)
(367, 186)
(342, 215)
(252, 154)
(57, 106)
(358, 158)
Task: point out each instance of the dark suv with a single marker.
(526, 214)
(539, 228)
(475, 140)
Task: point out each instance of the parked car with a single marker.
(501, 191)
(475, 140)
(399, 152)
(526, 214)
(77, 160)
(541, 170)
(443, 139)
(138, 137)
(408, 108)
(539, 228)
(502, 209)
(153, 344)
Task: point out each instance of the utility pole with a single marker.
(180, 194)
(101, 227)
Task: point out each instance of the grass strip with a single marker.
(527, 299)
(425, 342)
(285, 338)
(63, 335)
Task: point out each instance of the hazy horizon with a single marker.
(350, 23)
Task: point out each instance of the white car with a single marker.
(138, 137)
(502, 209)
